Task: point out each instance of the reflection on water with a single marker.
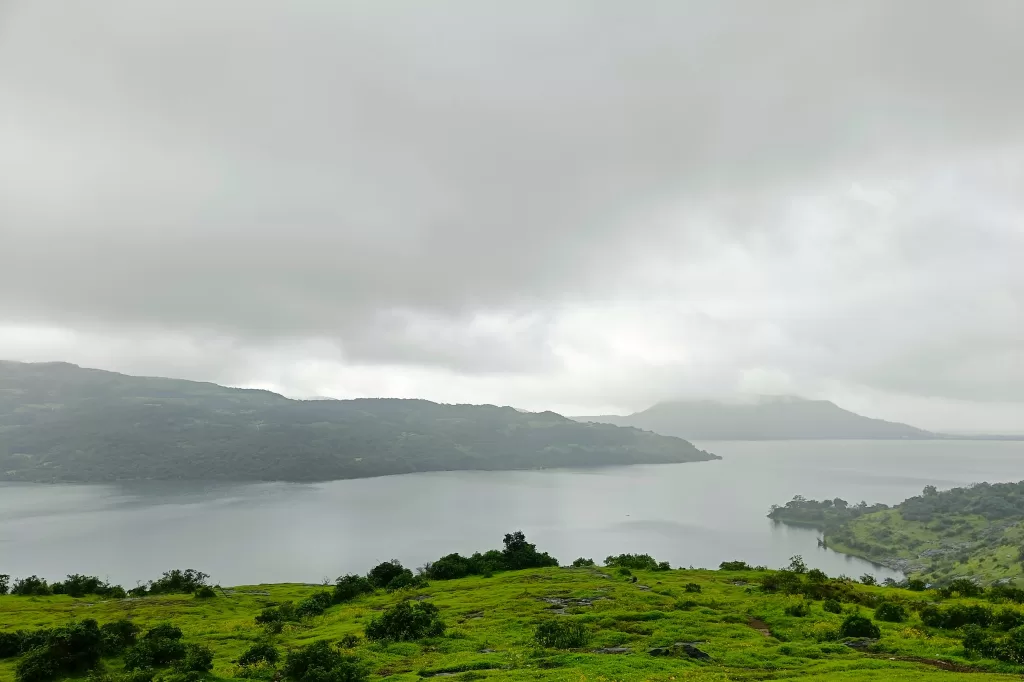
(688, 514)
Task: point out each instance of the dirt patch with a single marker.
(933, 662)
(760, 626)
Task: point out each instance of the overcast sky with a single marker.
(583, 206)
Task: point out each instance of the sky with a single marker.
(585, 206)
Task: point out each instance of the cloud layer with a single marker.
(590, 207)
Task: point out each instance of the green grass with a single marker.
(500, 613)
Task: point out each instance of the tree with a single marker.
(382, 574)
(5, 581)
(348, 587)
(797, 565)
(859, 626)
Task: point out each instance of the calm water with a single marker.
(689, 514)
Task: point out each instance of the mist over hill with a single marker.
(61, 422)
(764, 418)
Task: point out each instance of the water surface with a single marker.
(689, 514)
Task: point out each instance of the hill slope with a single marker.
(768, 419)
(60, 422)
(975, 532)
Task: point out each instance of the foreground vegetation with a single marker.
(975, 532)
(513, 614)
(61, 422)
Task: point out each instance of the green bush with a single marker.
(382, 574)
(406, 621)
(68, 650)
(348, 587)
(817, 576)
(164, 631)
(691, 587)
(318, 662)
(859, 626)
(561, 634)
(581, 563)
(154, 652)
(197, 659)
(10, 645)
(263, 651)
(734, 566)
(406, 581)
(519, 554)
(636, 562)
(314, 605)
(205, 592)
(1007, 619)
(798, 609)
(832, 606)
(178, 581)
(890, 612)
(118, 636)
(348, 641)
(32, 586)
(868, 579)
(5, 583)
(37, 666)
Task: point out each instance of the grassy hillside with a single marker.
(748, 632)
(975, 532)
(60, 422)
(770, 418)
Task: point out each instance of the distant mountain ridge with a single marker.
(62, 422)
(764, 418)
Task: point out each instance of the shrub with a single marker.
(556, 634)
(205, 592)
(581, 562)
(817, 576)
(406, 621)
(154, 652)
(734, 566)
(37, 666)
(178, 581)
(314, 605)
(637, 562)
(624, 572)
(348, 587)
(406, 581)
(277, 615)
(868, 579)
(348, 641)
(956, 616)
(71, 649)
(10, 645)
(798, 609)
(5, 583)
(663, 566)
(977, 641)
(519, 554)
(824, 631)
(832, 606)
(318, 662)
(164, 631)
(797, 564)
(859, 626)
(32, 586)
(691, 587)
(197, 659)
(382, 574)
(965, 587)
(1007, 619)
(118, 636)
(916, 585)
(263, 651)
(890, 612)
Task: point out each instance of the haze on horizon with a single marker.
(588, 208)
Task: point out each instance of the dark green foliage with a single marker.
(5, 583)
(1000, 593)
(832, 606)
(382, 574)
(114, 427)
(282, 613)
(163, 631)
(519, 554)
(318, 662)
(734, 566)
(314, 605)
(118, 636)
(963, 587)
(797, 565)
(625, 572)
(154, 652)
(798, 609)
(826, 514)
(81, 585)
(348, 587)
(562, 634)
(581, 563)
(197, 659)
(178, 581)
(406, 581)
(891, 612)
(636, 562)
(992, 501)
(1007, 619)
(868, 579)
(261, 652)
(70, 649)
(916, 585)
(32, 586)
(979, 642)
(691, 587)
(859, 626)
(817, 576)
(406, 621)
(205, 592)
(956, 616)
(10, 645)
(348, 641)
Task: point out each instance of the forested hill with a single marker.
(768, 418)
(61, 422)
(975, 532)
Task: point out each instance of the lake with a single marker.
(688, 514)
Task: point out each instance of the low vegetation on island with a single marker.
(64, 423)
(512, 614)
(975, 532)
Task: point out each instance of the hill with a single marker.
(61, 422)
(586, 622)
(975, 532)
(769, 418)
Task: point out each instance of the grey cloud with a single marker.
(385, 177)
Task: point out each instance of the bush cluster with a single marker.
(406, 621)
(517, 554)
(318, 662)
(636, 562)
